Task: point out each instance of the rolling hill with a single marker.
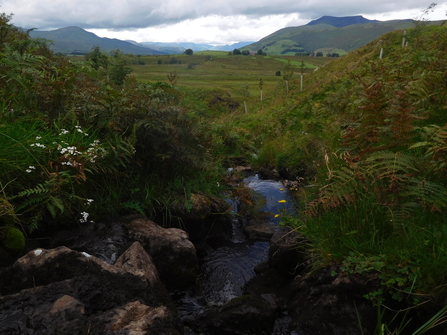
(328, 34)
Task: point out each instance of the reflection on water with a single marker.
(230, 260)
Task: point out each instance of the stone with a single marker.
(323, 304)
(62, 291)
(173, 253)
(105, 241)
(245, 315)
(136, 318)
(287, 252)
(259, 230)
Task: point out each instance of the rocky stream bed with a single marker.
(232, 275)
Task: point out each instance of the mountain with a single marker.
(77, 40)
(328, 34)
(340, 22)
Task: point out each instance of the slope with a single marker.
(77, 40)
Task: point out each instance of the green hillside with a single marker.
(313, 38)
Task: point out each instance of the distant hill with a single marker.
(328, 34)
(77, 40)
(340, 22)
(181, 47)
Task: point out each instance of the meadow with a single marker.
(219, 70)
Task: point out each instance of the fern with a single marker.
(384, 164)
(38, 189)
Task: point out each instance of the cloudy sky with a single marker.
(200, 21)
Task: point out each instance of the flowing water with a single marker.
(230, 260)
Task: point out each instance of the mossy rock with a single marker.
(14, 239)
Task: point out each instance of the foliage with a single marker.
(81, 141)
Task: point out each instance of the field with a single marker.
(219, 70)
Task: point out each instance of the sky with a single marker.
(217, 22)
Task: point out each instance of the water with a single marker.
(230, 260)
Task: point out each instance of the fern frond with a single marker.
(430, 194)
(386, 163)
(38, 189)
(342, 189)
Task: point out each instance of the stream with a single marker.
(230, 260)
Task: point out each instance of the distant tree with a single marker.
(236, 52)
(159, 61)
(319, 54)
(97, 58)
(260, 52)
(246, 52)
(278, 73)
(188, 52)
(118, 67)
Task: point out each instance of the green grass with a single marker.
(218, 70)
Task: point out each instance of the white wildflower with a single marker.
(84, 217)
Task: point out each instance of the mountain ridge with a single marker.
(341, 22)
(74, 39)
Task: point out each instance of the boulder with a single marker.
(259, 230)
(106, 241)
(245, 315)
(173, 253)
(138, 319)
(323, 304)
(287, 252)
(62, 291)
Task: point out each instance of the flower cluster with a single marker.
(84, 217)
(30, 169)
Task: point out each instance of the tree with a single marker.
(118, 67)
(188, 52)
(97, 58)
(236, 52)
(246, 52)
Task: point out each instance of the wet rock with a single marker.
(287, 252)
(62, 291)
(173, 253)
(105, 241)
(323, 304)
(270, 285)
(245, 315)
(259, 230)
(138, 319)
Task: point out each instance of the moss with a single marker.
(14, 239)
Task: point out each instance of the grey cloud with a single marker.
(116, 14)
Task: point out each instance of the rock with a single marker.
(287, 253)
(105, 241)
(67, 308)
(259, 230)
(62, 291)
(323, 304)
(138, 319)
(173, 253)
(245, 315)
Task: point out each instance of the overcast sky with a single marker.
(200, 21)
